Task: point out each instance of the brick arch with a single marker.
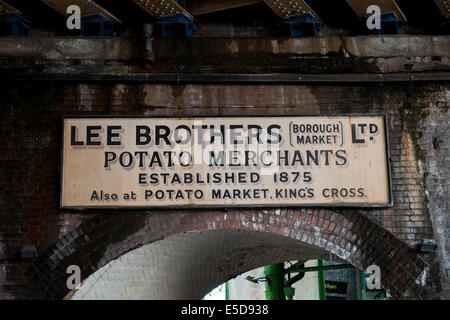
(188, 265)
(343, 233)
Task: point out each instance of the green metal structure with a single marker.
(277, 288)
(321, 277)
(275, 281)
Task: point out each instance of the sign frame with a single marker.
(220, 206)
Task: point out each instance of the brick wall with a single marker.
(30, 159)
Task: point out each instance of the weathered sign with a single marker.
(114, 162)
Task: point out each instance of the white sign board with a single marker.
(139, 162)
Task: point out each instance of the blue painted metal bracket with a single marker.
(97, 24)
(14, 24)
(303, 25)
(176, 25)
(390, 24)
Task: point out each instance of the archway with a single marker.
(189, 265)
(253, 238)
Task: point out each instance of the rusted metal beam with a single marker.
(87, 7)
(161, 8)
(289, 8)
(198, 7)
(7, 9)
(360, 7)
(444, 7)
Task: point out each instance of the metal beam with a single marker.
(298, 264)
(444, 7)
(294, 279)
(289, 8)
(274, 286)
(87, 7)
(198, 7)
(360, 7)
(321, 281)
(7, 9)
(322, 268)
(161, 8)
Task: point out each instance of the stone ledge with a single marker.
(360, 54)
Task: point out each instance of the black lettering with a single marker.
(361, 192)
(199, 132)
(94, 195)
(312, 157)
(73, 137)
(327, 153)
(155, 158)
(216, 193)
(90, 134)
(270, 131)
(169, 158)
(297, 158)
(217, 161)
(177, 137)
(248, 158)
(110, 135)
(334, 192)
(215, 134)
(109, 157)
(130, 159)
(154, 178)
(162, 132)
(285, 158)
(235, 134)
(354, 139)
(145, 135)
(341, 154)
(180, 157)
(141, 155)
(257, 135)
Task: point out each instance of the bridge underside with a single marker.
(189, 265)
